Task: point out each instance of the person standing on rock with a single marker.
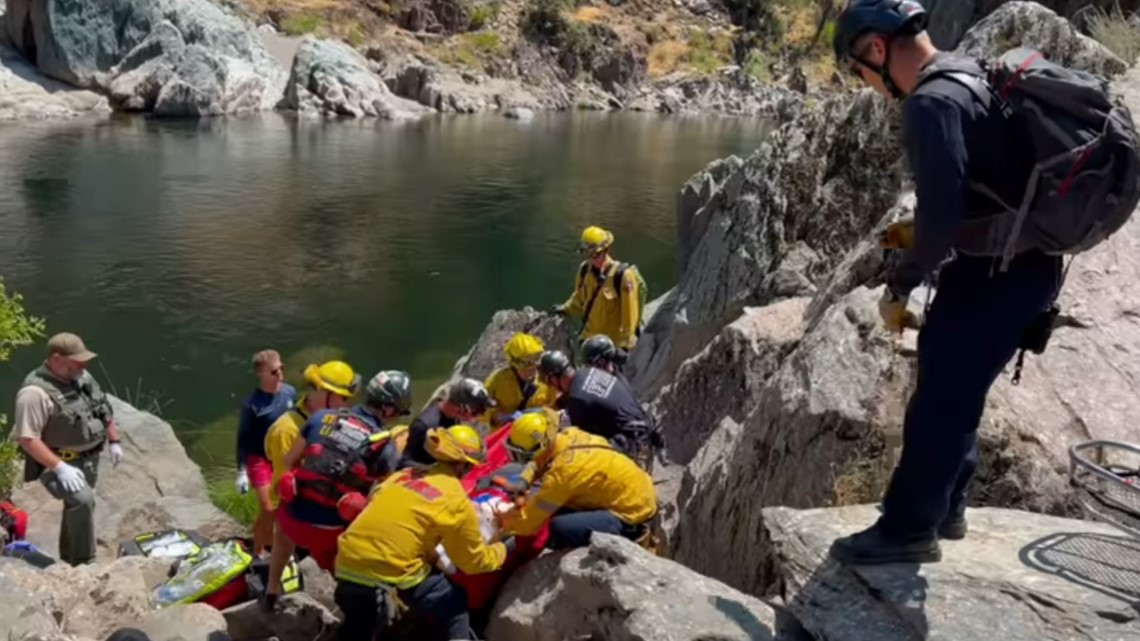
(466, 401)
(62, 422)
(272, 398)
(601, 403)
(516, 387)
(607, 294)
(953, 136)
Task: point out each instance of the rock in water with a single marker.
(29, 95)
(156, 487)
(329, 78)
(1028, 24)
(617, 591)
(519, 113)
(194, 622)
(179, 57)
(1016, 577)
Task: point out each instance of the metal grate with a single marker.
(1111, 564)
(1107, 477)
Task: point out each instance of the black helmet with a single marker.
(553, 363)
(470, 394)
(888, 17)
(391, 387)
(598, 350)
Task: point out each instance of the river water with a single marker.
(178, 249)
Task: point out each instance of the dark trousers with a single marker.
(436, 601)
(570, 529)
(971, 332)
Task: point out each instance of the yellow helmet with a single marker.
(594, 240)
(523, 350)
(334, 376)
(531, 434)
(456, 444)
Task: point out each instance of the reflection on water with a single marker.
(179, 249)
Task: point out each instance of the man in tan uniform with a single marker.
(63, 422)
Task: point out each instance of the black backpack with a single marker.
(1084, 184)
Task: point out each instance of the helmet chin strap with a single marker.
(884, 71)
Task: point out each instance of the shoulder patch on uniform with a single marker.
(628, 282)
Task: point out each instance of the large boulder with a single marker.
(175, 57)
(194, 622)
(26, 94)
(816, 186)
(91, 601)
(329, 78)
(21, 615)
(949, 19)
(297, 617)
(822, 424)
(1028, 24)
(1016, 577)
(156, 487)
(486, 355)
(432, 84)
(617, 591)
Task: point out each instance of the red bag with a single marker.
(14, 521)
(483, 588)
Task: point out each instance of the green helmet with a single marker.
(392, 388)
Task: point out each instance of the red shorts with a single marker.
(260, 471)
(320, 541)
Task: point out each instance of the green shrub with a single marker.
(242, 507)
(757, 64)
(481, 15)
(545, 17)
(1113, 30)
(708, 52)
(17, 329)
(11, 468)
(355, 37)
(300, 24)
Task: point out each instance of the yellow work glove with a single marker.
(896, 318)
(898, 235)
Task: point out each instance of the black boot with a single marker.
(953, 528)
(874, 547)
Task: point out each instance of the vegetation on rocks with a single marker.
(1114, 30)
(17, 329)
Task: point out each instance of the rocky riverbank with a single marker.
(781, 398)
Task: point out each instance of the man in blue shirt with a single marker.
(272, 398)
(955, 134)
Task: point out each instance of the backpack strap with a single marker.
(594, 298)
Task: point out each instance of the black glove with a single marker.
(557, 311)
(511, 544)
(657, 439)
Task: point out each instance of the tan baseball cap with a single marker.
(70, 346)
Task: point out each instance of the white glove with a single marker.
(116, 454)
(242, 483)
(70, 478)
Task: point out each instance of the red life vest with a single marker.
(346, 458)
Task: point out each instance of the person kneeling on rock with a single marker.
(585, 485)
(333, 466)
(391, 545)
(516, 387)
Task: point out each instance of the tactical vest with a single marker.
(82, 408)
(347, 459)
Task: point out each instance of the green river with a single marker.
(178, 249)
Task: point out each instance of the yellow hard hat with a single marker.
(594, 240)
(531, 434)
(456, 444)
(523, 350)
(334, 376)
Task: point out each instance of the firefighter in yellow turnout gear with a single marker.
(605, 305)
(586, 485)
(391, 545)
(516, 387)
